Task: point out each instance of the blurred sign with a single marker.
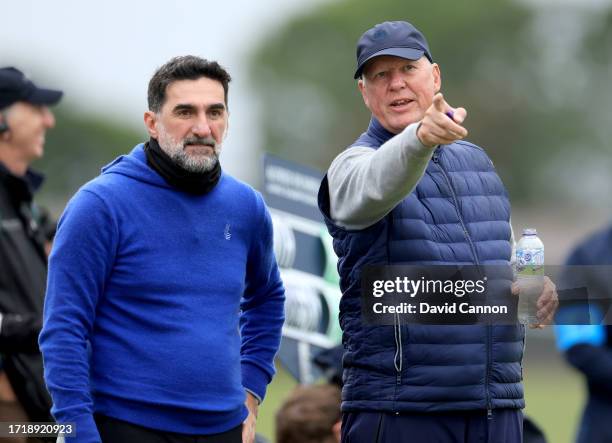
(307, 263)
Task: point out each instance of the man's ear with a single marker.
(437, 75)
(361, 85)
(150, 121)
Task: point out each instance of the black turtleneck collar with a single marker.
(197, 183)
(21, 188)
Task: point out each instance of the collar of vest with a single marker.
(375, 136)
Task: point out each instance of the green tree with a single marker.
(491, 55)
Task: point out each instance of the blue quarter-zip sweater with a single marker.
(458, 213)
(162, 307)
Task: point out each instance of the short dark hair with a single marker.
(187, 67)
(308, 415)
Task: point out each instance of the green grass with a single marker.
(554, 394)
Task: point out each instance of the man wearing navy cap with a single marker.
(24, 121)
(409, 190)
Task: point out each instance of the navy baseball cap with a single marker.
(16, 87)
(399, 39)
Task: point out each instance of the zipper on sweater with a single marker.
(488, 374)
(436, 160)
(398, 359)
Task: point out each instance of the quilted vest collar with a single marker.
(375, 136)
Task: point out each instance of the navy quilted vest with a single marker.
(459, 212)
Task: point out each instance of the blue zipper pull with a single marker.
(489, 414)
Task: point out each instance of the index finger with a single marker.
(439, 103)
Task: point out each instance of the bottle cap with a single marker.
(530, 231)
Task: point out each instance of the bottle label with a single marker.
(530, 261)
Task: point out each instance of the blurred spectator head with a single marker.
(24, 117)
(311, 414)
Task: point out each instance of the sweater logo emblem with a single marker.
(227, 233)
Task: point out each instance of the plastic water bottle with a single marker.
(530, 275)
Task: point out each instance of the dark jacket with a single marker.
(458, 214)
(22, 288)
(595, 361)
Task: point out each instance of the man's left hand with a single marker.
(547, 303)
(248, 426)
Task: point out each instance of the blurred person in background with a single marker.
(588, 347)
(48, 225)
(311, 414)
(24, 121)
(411, 191)
(164, 302)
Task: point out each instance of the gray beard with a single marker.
(191, 163)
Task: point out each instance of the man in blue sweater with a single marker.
(411, 191)
(164, 302)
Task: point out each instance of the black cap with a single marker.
(16, 87)
(399, 39)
